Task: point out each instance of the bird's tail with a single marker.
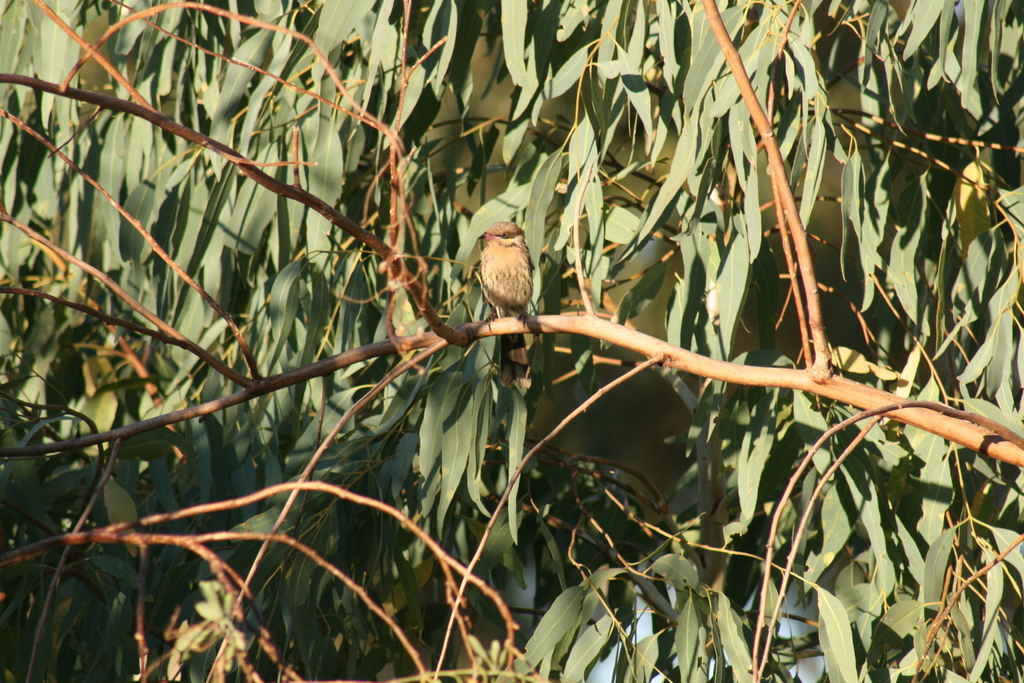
(515, 361)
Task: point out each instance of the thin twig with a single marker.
(146, 235)
(961, 427)
(794, 286)
(37, 639)
(325, 444)
(394, 263)
(960, 142)
(952, 600)
(96, 313)
(236, 62)
(123, 532)
(795, 547)
(514, 477)
(780, 218)
(266, 386)
(918, 156)
(140, 612)
(581, 281)
(296, 180)
(33, 407)
(193, 348)
(890, 410)
(100, 59)
(92, 51)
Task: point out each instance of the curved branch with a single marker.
(396, 265)
(259, 388)
(967, 429)
(99, 57)
(146, 235)
(93, 52)
(311, 465)
(122, 532)
(96, 313)
(514, 478)
(876, 417)
(94, 496)
(180, 339)
(821, 370)
(954, 599)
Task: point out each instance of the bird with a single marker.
(506, 273)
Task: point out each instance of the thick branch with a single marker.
(957, 426)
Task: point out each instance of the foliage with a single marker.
(618, 127)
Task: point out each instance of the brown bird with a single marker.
(506, 273)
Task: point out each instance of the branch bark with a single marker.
(961, 427)
(820, 371)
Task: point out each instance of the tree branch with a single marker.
(146, 235)
(962, 427)
(821, 370)
(396, 262)
(180, 339)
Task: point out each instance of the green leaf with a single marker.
(568, 74)
(935, 567)
(922, 17)
(899, 621)
(642, 293)
(732, 287)
(816, 160)
(516, 436)
(937, 480)
(758, 438)
(442, 401)
(683, 160)
(458, 439)
(644, 657)
(102, 409)
(689, 636)
(867, 501)
(153, 444)
(678, 570)
(235, 84)
(513, 30)
(120, 506)
(971, 205)
(541, 194)
(337, 20)
(586, 650)
(1004, 538)
(284, 295)
(733, 640)
(443, 22)
(574, 14)
(836, 638)
(835, 528)
(636, 91)
(973, 19)
(562, 618)
(903, 617)
(990, 628)
(620, 224)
